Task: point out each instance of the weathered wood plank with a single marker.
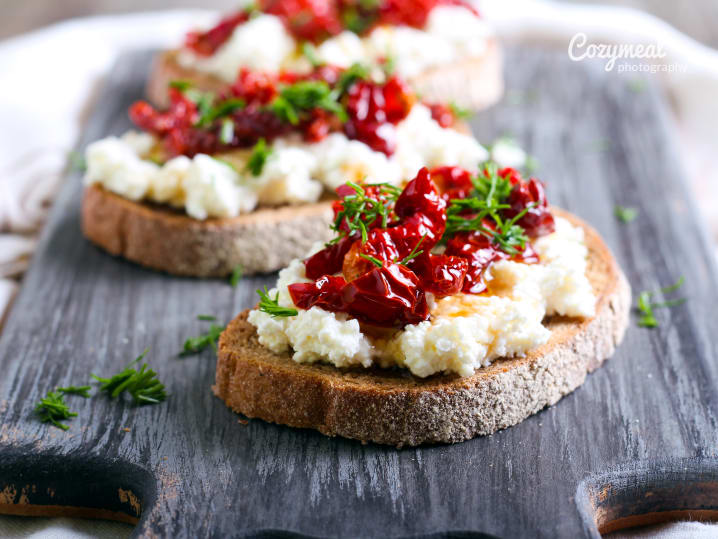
(196, 471)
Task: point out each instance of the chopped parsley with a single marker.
(77, 161)
(355, 73)
(378, 263)
(309, 51)
(459, 113)
(82, 391)
(53, 409)
(302, 96)
(414, 252)
(142, 385)
(271, 305)
(647, 319)
(236, 276)
(258, 157)
(625, 214)
(360, 211)
(195, 345)
(489, 197)
(208, 114)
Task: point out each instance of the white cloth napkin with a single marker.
(49, 77)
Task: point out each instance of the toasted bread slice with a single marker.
(474, 83)
(162, 238)
(397, 408)
(167, 240)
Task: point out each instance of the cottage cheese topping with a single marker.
(295, 172)
(262, 44)
(452, 33)
(465, 332)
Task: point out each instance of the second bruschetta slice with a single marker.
(244, 177)
(443, 48)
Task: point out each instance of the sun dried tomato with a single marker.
(326, 292)
(254, 86)
(374, 109)
(442, 113)
(452, 182)
(312, 20)
(207, 43)
(442, 275)
(420, 205)
(385, 278)
(390, 296)
(538, 220)
(330, 259)
(479, 252)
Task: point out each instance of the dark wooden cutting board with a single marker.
(638, 437)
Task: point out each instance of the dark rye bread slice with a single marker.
(161, 238)
(475, 83)
(394, 407)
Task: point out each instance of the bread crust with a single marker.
(167, 240)
(475, 83)
(394, 407)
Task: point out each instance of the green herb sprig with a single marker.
(354, 73)
(645, 307)
(53, 409)
(489, 196)
(77, 161)
(82, 391)
(271, 305)
(414, 252)
(309, 51)
(236, 276)
(194, 345)
(360, 211)
(374, 260)
(142, 384)
(208, 110)
(305, 95)
(625, 214)
(458, 112)
(258, 157)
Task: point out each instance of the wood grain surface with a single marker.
(640, 436)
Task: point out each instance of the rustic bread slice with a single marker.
(163, 239)
(474, 83)
(394, 407)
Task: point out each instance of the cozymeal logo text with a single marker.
(580, 49)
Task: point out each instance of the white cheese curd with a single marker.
(412, 50)
(294, 173)
(452, 33)
(167, 185)
(421, 141)
(465, 331)
(467, 33)
(141, 143)
(213, 189)
(262, 43)
(314, 334)
(342, 50)
(341, 160)
(115, 164)
(565, 285)
(287, 178)
(507, 153)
